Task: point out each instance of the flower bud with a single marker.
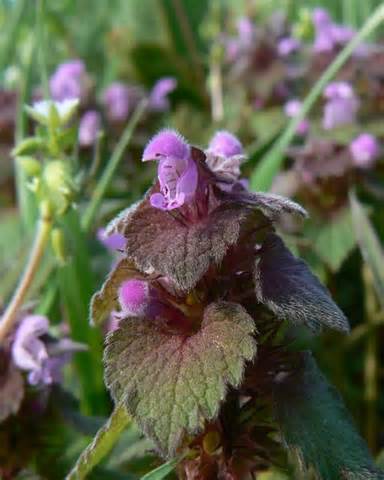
(167, 143)
(53, 114)
(134, 297)
(58, 184)
(225, 144)
(364, 149)
(30, 165)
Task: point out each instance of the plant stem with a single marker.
(110, 169)
(269, 165)
(10, 315)
(102, 443)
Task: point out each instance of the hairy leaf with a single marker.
(105, 300)
(161, 242)
(316, 425)
(286, 285)
(273, 206)
(173, 382)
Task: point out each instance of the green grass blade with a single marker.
(162, 471)
(77, 287)
(369, 243)
(270, 164)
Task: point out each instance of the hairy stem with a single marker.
(102, 443)
(42, 236)
(110, 169)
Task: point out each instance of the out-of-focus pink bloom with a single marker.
(329, 35)
(69, 81)
(246, 36)
(292, 109)
(341, 106)
(117, 99)
(365, 150)
(89, 128)
(158, 98)
(114, 241)
(287, 46)
(42, 359)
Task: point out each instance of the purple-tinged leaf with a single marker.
(11, 388)
(317, 427)
(172, 383)
(286, 285)
(183, 251)
(106, 299)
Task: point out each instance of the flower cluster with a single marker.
(118, 100)
(200, 249)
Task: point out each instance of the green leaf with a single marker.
(333, 241)
(162, 471)
(317, 427)
(104, 301)
(76, 287)
(369, 244)
(102, 443)
(173, 382)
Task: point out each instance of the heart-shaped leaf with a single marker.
(172, 383)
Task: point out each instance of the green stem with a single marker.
(10, 315)
(110, 169)
(102, 443)
(41, 42)
(263, 175)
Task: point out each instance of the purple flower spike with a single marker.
(167, 143)
(364, 149)
(287, 46)
(69, 81)
(28, 351)
(158, 99)
(117, 99)
(114, 241)
(246, 31)
(292, 109)
(133, 297)
(90, 125)
(342, 105)
(225, 144)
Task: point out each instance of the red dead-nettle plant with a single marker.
(210, 302)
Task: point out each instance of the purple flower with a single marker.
(225, 154)
(117, 99)
(166, 143)
(41, 359)
(69, 81)
(177, 171)
(246, 31)
(291, 110)
(287, 45)
(226, 144)
(364, 149)
(28, 350)
(133, 297)
(329, 35)
(158, 99)
(113, 241)
(341, 106)
(89, 128)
